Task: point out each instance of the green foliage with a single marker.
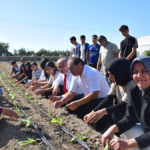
(147, 53)
(29, 97)
(36, 103)
(80, 136)
(17, 110)
(59, 120)
(106, 147)
(20, 91)
(48, 114)
(4, 48)
(27, 93)
(27, 122)
(25, 143)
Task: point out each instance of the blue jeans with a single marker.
(0, 91)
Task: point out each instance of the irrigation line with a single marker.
(62, 127)
(35, 126)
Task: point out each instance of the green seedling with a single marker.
(27, 93)
(13, 97)
(9, 81)
(17, 110)
(20, 91)
(59, 120)
(80, 136)
(14, 102)
(106, 147)
(25, 143)
(48, 114)
(36, 103)
(27, 122)
(15, 85)
(29, 97)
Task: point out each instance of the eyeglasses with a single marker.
(71, 67)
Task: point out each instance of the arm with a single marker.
(120, 54)
(87, 58)
(116, 54)
(99, 63)
(22, 80)
(11, 73)
(131, 54)
(16, 75)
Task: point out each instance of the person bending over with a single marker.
(15, 68)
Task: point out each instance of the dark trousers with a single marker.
(50, 93)
(93, 65)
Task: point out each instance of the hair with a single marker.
(101, 38)
(29, 70)
(82, 36)
(43, 62)
(13, 62)
(123, 27)
(73, 38)
(64, 59)
(95, 36)
(49, 64)
(76, 60)
(24, 71)
(22, 58)
(34, 63)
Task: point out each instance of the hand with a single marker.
(56, 90)
(119, 144)
(38, 92)
(15, 81)
(57, 104)
(95, 116)
(32, 87)
(10, 77)
(26, 85)
(109, 134)
(98, 68)
(35, 83)
(54, 98)
(18, 83)
(9, 112)
(86, 117)
(73, 105)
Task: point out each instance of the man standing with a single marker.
(75, 48)
(108, 51)
(83, 50)
(92, 84)
(128, 46)
(93, 52)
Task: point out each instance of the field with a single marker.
(13, 132)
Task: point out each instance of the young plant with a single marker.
(27, 122)
(17, 110)
(36, 103)
(106, 147)
(25, 143)
(14, 102)
(15, 85)
(48, 114)
(9, 81)
(29, 97)
(27, 93)
(59, 120)
(20, 91)
(80, 136)
(13, 97)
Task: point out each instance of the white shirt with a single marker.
(53, 78)
(60, 81)
(91, 80)
(42, 77)
(75, 50)
(82, 49)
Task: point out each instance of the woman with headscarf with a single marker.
(118, 71)
(135, 126)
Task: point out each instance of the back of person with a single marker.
(36, 74)
(75, 50)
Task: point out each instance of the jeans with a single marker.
(0, 91)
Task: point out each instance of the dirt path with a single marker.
(13, 131)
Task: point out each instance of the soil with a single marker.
(13, 132)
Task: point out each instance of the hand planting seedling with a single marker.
(27, 122)
(25, 143)
(80, 136)
(17, 110)
(48, 114)
(27, 93)
(106, 147)
(59, 120)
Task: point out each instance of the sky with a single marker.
(48, 24)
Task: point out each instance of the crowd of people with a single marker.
(119, 98)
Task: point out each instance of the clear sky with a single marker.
(36, 24)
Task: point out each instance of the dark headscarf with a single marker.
(145, 60)
(120, 68)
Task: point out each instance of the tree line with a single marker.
(4, 48)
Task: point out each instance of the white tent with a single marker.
(143, 44)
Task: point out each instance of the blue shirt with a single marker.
(94, 53)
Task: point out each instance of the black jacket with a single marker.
(135, 114)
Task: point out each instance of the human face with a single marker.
(103, 42)
(141, 76)
(125, 32)
(72, 41)
(22, 68)
(82, 40)
(23, 61)
(111, 77)
(62, 67)
(94, 39)
(49, 70)
(14, 65)
(33, 67)
(73, 68)
(27, 68)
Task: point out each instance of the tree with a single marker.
(4, 48)
(22, 51)
(147, 53)
(15, 52)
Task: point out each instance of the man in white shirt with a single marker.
(83, 53)
(92, 84)
(75, 48)
(63, 82)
